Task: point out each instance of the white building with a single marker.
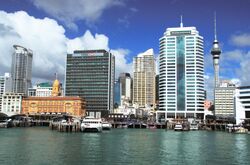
(21, 69)
(5, 86)
(242, 103)
(224, 99)
(144, 79)
(11, 103)
(181, 74)
(42, 90)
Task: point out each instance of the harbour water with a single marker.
(41, 146)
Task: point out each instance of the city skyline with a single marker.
(40, 29)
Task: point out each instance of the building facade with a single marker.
(90, 74)
(21, 69)
(144, 79)
(125, 86)
(224, 99)
(5, 86)
(54, 104)
(181, 74)
(242, 103)
(11, 103)
(43, 90)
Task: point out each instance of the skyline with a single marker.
(42, 25)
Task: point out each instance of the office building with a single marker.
(11, 103)
(21, 69)
(181, 74)
(144, 79)
(125, 86)
(242, 104)
(5, 86)
(224, 99)
(90, 74)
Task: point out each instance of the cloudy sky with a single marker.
(53, 28)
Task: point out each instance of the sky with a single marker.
(53, 28)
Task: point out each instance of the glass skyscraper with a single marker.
(90, 75)
(21, 69)
(181, 74)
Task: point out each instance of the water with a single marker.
(41, 146)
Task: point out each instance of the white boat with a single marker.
(106, 125)
(194, 126)
(241, 130)
(91, 124)
(178, 127)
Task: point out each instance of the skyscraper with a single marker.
(125, 86)
(5, 86)
(90, 74)
(21, 69)
(144, 79)
(181, 74)
(216, 56)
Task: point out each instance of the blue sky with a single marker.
(127, 27)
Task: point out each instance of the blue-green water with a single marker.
(41, 146)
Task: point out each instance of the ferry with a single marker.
(178, 127)
(91, 124)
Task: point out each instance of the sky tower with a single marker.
(216, 55)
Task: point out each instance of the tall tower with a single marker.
(21, 69)
(181, 74)
(216, 51)
(144, 79)
(90, 74)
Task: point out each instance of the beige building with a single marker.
(55, 104)
(224, 99)
(144, 79)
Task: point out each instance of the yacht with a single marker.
(194, 126)
(91, 124)
(178, 127)
(106, 125)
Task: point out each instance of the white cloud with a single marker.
(70, 11)
(49, 44)
(240, 39)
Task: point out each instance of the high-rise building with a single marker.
(90, 74)
(242, 103)
(181, 74)
(21, 69)
(5, 86)
(216, 56)
(117, 95)
(224, 99)
(144, 79)
(125, 86)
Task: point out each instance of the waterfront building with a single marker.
(224, 99)
(21, 69)
(125, 86)
(55, 104)
(90, 74)
(144, 79)
(5, 86)
(242, 103)
(181, 74)
(11, 103)
(157, 91)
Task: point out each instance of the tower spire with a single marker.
(181, 24)
(215, 32)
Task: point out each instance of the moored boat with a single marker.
(91, 124)
(178, 127)
(106, 125)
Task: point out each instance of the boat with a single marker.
(91, 124)
(178, 127)
(194, 126)
(241, 130)
(106, 125)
